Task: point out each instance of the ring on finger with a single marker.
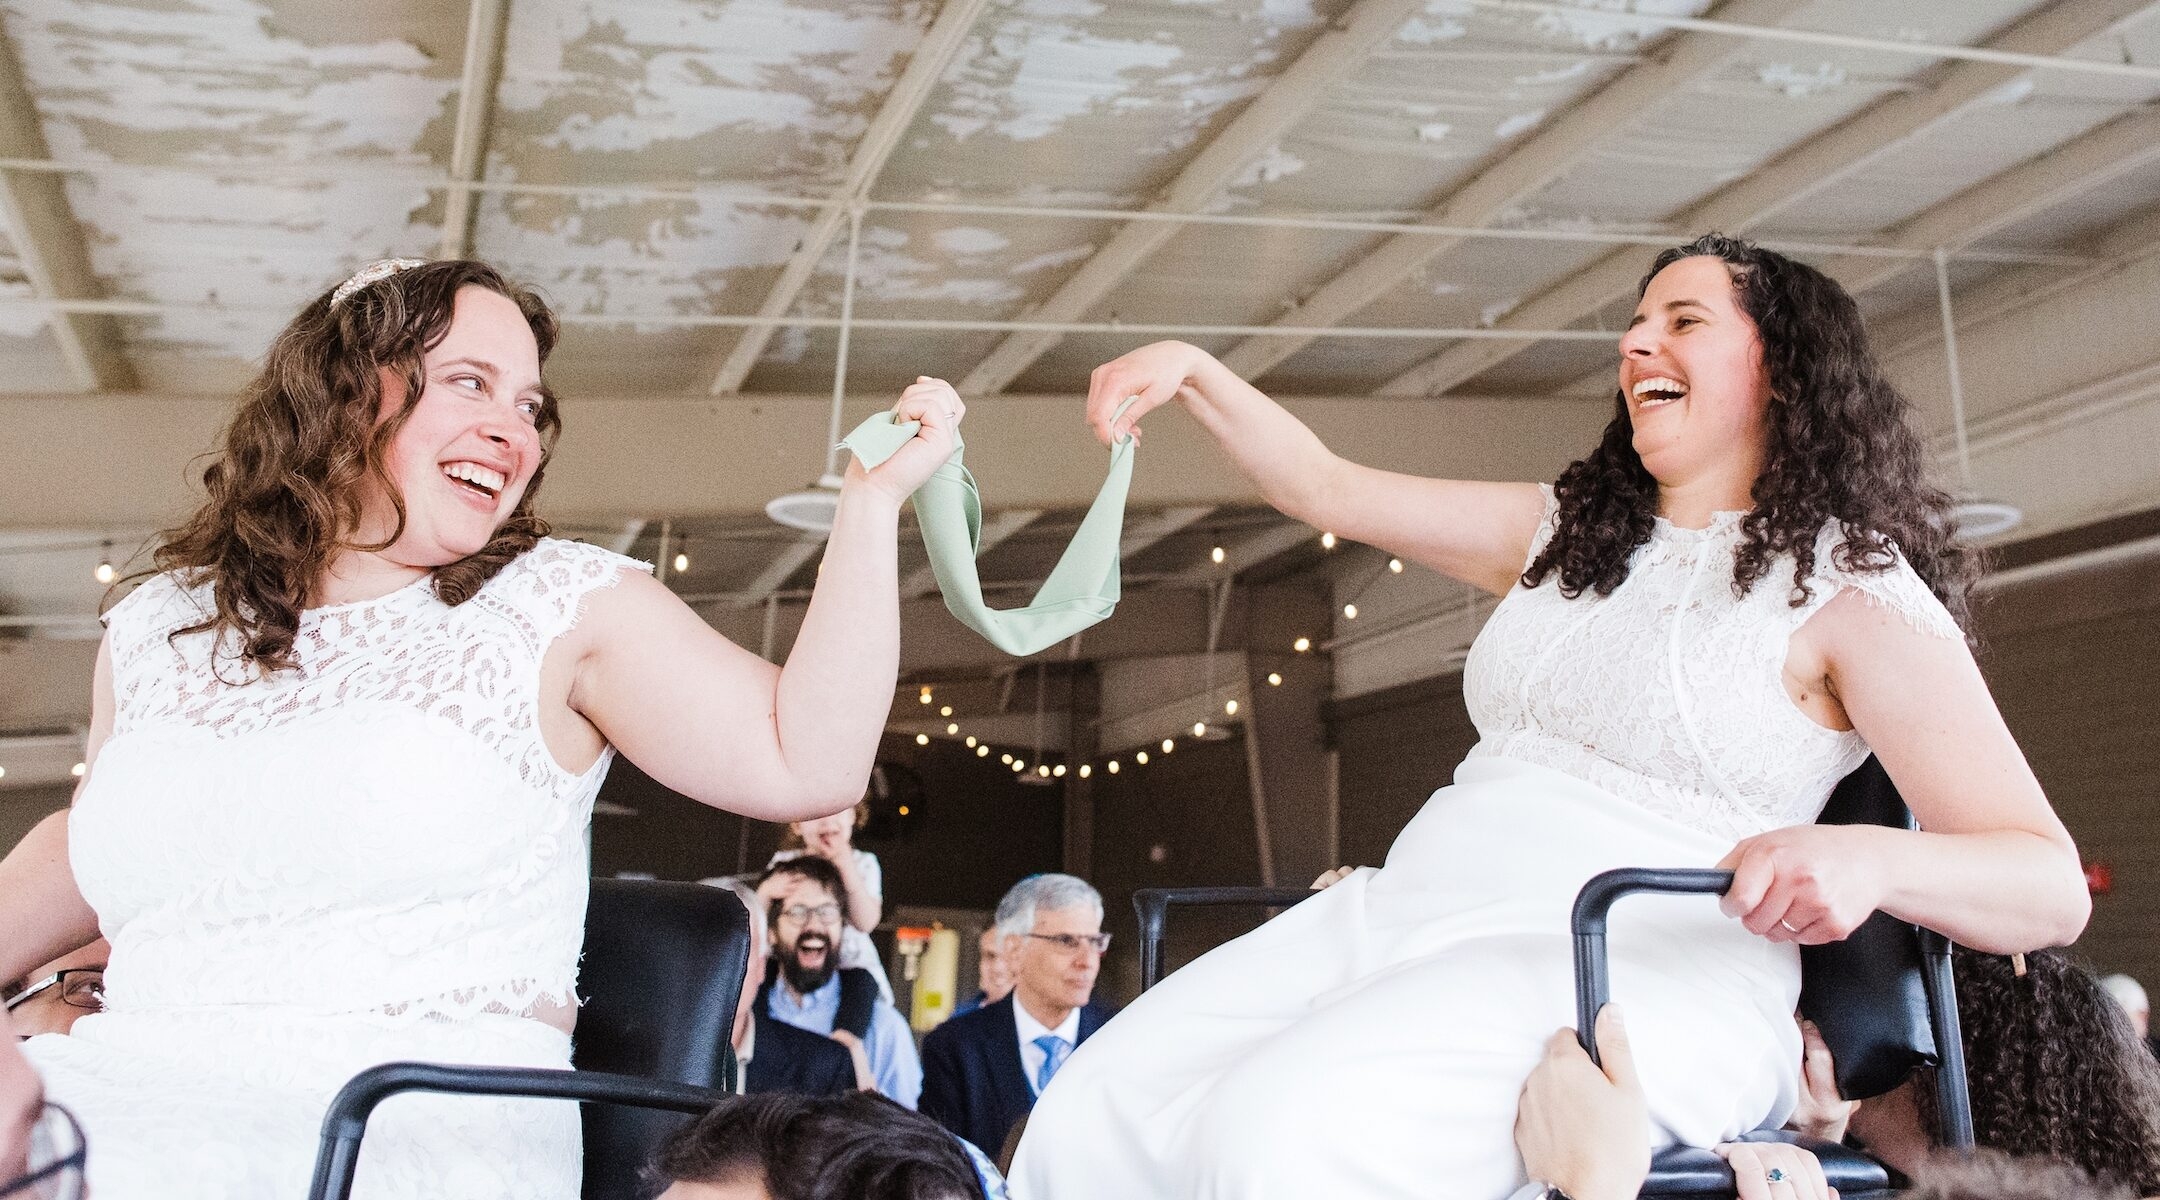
(1788, 926)
(1775, 1175)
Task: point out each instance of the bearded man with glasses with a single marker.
(808, 900)
(983, 1070)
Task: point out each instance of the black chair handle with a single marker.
(346, 1121)
(1593, 985)
(1152, 905)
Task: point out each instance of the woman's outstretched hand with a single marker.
(1153, 374)
(1808, 883)
(934, 404)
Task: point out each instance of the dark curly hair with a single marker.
(853, 1146)
(1993, 1175)
(1840, 448)
(2055, 1069)
(285, 489)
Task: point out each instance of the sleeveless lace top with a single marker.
(380, 831)
(1670, 692)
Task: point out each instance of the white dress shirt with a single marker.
(1031, 1055)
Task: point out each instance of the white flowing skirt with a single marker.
(1373, 1041)
(227, 1104)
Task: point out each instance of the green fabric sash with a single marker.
(1082, 590)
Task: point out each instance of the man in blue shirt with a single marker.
(809, 903)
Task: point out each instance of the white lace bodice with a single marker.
(380, 831)
(1670, 692)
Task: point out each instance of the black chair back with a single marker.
(662, 971)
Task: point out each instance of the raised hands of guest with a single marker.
(1822, 1112)
(1808, 883)
(1582, 1127)
(1776, 1171)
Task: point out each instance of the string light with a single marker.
(971, 741)
(982, 751)
(77, 770)
(1058, 771)
(1140, 758)
(952, 728)
(1111, 766)
(1327, 541)
(1395, 565)
(1218, 555)
(1043, 771)
(1349, 612)
(1086, 770)
(104, 572)
(1168, 745)
(922, 739)
(1274, 679)
(945, 710)
(903, 810)
(1019, 766)
(925, 697)
(1006, 759)
(1199, 728)
(682, 563)
(1301, 645)
(1229, 708)
(3, 772)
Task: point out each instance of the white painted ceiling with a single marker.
(180, 175)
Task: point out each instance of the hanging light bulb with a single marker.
(1058, 771)
(982, 751)
(1274, 679)
(77, 770)
(1301, 645)
(922, 739)
(925, 696)
(1168, 745)
(1043, 771)
(1327, 541)
(1006, 759)
(1140, 758)
(1217, 555)
(1086, 770)
(945, 710)
(1229, 708)
(1111, 766)
(971, 741)
(903, 810)
(104, 572)
(1018, 766)
(1199, 729)
(1349, 612)
(682, 563)
(952, 728)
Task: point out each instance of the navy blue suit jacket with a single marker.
(973, 1083)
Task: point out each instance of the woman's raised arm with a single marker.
(1473, 531)
(718, 724)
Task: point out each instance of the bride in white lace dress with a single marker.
(345, 751)
(1706, 623)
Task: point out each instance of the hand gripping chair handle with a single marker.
(346, 1121)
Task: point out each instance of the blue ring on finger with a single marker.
(1776, 1175)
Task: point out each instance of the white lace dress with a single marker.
(371, 858)
(1373, 1041)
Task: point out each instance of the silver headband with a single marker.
(380, 269)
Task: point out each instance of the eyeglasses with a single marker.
(804, 914)
(57, 1155)
(79, 987)
(1071, 943)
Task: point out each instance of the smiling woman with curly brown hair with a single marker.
(1740, 593)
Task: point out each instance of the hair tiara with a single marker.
(374, 272)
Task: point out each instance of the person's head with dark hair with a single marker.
(1745, 371)
(806, 917)
(2054, 1069)
(854, 1146)
(1993, 1175)
(400, 415)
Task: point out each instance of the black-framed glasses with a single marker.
(804, 914)
(1073, 943)
(77, 987)
(58, 1153)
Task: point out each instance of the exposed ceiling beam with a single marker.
(1802, 171)
(995, 528)
(1145, 532)
(49, 242)
(1513, 177)
(782, 568)
(475, 112)
(1270, 115)
(925, 67)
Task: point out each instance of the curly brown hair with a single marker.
(2055, 1069)
(284, 491)
(1993, 1175)
(1840, 448)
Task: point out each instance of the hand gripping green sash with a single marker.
(1082, 590)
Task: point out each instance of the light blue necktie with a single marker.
(1055, 1049)
(1082, 588)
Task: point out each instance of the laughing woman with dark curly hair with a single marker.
(345, 745)
(1744, 589)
